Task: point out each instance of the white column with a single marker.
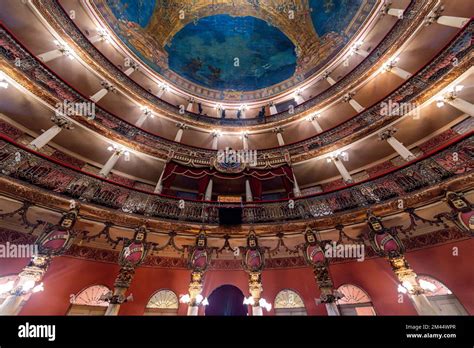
(342, 170)
(107, 87)
(361, 52)
(248, 191)
(143, 117)
(193, 310)
(133, 66)
(400, 148)
(215, 138)
(395, 12)
(387, 135)
(219, 112)
(99, 95)
(357, 107)
(329, 79)
(49, 56)
(280, 139)
(296, 188)
(332, 309)
(179, 134)
(159, 186)
(45, 138)
(162, 89)
(109, 165)
(190, 105)
(299, 99)
(129, 71)
(400, 72)
(11, 305)
(457, 22)
(208, 195)
(316, 124)
(462, 105)
(273, 109)
(245, 141)
(114, 308)
(422, 305)
(257, 310)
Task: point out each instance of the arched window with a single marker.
(288, 302)
(163, 302)
(440, 297)
(88, 302)
(354, 301)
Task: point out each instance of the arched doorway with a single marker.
(226, 300)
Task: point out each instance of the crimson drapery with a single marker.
(256, 188)
(202, 185)
(204, 175)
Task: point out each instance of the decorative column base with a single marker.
(11, 305)
(257, 311)
(332, 309)
(407, 278)
(122, 284)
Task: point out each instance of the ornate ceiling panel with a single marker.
(235, 49)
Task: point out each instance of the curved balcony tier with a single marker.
(57, 17)
(417, 90)
(448, 167)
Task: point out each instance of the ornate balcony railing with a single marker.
(25, 165)
(459, 50)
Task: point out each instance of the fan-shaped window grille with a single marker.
(163, 302)
(354, 301)
(288, 302)
(88, 302)
(440, 297)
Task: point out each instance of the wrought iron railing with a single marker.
(25, 165)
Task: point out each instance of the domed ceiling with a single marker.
(235, 49)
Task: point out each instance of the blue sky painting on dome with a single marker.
(138, 11)
(332, 15)
(216, 50)
(224, 52)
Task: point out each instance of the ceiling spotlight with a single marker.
(110, 148)
(126, 156)
(103, 34)
(163, 86)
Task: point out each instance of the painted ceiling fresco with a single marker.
(236, 45)
(224, 52)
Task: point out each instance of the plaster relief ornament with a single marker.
(134, 250)
(384, 241)
(56, 239)
(462, 213)
(254, 257)
(313, 253)
(199, 255)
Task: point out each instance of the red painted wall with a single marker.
(68, 276)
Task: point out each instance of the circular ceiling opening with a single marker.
(232, 53)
